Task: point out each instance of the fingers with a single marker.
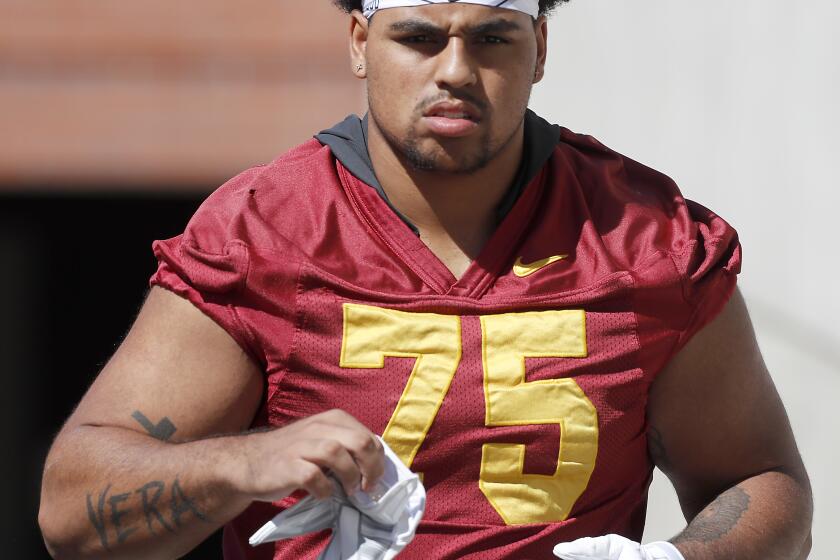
(311, 478)
(367, 452)
(304, 454)
(331, 455)
(362, 445)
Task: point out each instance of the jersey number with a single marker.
(434, 342)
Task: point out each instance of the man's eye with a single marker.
(417, 39)
(493, 40)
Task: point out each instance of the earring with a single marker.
(360, 67)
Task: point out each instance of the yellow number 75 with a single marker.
(434, 341)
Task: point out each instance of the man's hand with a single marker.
(615, 547)
(139, 470)
(299, 455)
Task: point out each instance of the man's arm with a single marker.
(140, 469)
(719, 431)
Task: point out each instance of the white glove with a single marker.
(373, 526)
(615, 547)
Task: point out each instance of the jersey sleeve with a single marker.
(709, 265)
(209, 263)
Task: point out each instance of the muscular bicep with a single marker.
(176, 376)
(715, 415)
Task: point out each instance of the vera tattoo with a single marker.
(97, 517)
(154, 506)
(150, 495)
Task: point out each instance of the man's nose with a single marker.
(455, 68)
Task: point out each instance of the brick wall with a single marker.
(164, 95)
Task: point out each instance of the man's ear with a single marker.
(541, 30)
(358, 43)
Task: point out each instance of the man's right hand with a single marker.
(299, 456)
(140, 471)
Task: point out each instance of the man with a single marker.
(529, 319)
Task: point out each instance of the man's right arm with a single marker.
(140, 469)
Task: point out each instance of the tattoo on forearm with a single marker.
(97, 517)
(163, 430)
(150, 505)
(718, 518)
(182, 504)
(114, 524)
(117, 515)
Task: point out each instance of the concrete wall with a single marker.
(738, 102)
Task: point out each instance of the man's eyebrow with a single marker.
(415, 25)
(424, 27)
(500, 25)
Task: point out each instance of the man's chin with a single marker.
(445, 162)
(448, 167)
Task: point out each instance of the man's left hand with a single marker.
(615, 547)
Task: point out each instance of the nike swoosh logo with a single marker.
(522, 270)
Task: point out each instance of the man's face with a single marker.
(448, 85)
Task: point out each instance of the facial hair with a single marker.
(430, 160)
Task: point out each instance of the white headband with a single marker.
(530, 7)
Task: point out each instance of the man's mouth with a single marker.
(452, 115)
(452, 119)
(453, 110)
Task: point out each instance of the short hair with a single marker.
(349, 5)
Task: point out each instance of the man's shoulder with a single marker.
(615, 175)
(636, 211)
(610, 181)
(291, 167)
(613, 188)
(263, 197)
(289, 175)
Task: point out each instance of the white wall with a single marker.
(738, 101)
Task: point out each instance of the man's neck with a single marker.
(455, 213)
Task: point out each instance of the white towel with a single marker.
(375, 526)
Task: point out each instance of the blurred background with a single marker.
(117, 119)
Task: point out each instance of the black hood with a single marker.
(348, 142)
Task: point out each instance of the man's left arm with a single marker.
(719, 431)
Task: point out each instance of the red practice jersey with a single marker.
(519, 390)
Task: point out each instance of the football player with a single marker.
(528, 318)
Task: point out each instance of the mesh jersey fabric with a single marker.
(286, 256)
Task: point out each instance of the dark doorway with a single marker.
(73, 273)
